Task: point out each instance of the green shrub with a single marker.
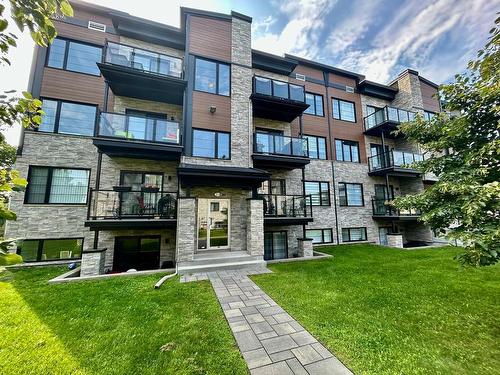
(10, 259)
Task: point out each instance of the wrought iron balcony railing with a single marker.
(388, 114)
(287, 205)
(383, 207)
(278, 89)
(393, 158)
(275, 144)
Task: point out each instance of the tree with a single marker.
(464, 144)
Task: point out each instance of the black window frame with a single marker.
(349, 235)
(317, 146)
(282, 182)
(143, 176)
(217, 73)
(66, 52)
(216, 146)
(322, 235)
(427, 115)
(340, 114)
(347, 204)
(350, 150)
(40, 249)
(286, 242)
(315, 108)
(320, 192)
(49, 184)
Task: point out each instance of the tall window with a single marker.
(353, 234)
(210, 144)
(49, 185)
(317, 147)
(344, 110)
(319, 191)
(320, 235)
(74, 56)
(315, 102)
(68, 118)
(428, 116)
(212, 77)
(351, 194)
(50, 249)
(275, 187)
(138, 180)
(347, 150)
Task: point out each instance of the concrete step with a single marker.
(219, 254)
(194, 266)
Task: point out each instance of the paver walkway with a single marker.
(271, 341)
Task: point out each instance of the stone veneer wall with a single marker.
(255, 227)
(264, 123)
(409, 95)
(123, 103)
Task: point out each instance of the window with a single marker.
(212, 77)
(210, 144)
(317, 147)
(320, 235)
(139, 180)
(68, 118)
(315, 102)
(214, 206)
(428, 116)
(344, 110)
(319, 191)
(74, 56)
(48, 185)
(275, 245)
(347, 150)
(50, 249)
(353, 234)
(351, 194)
(275, 187)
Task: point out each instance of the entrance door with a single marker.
(140, 253)
(275, 245)
(213, 224)
(382, 235)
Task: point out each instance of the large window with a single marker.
(353, 234)
(212, 77)
(274, 187)
(320, 235)
(275, 245)
(48, 185)
(346, 150)
(74, 56)
(315, 102)
(344, 110)
(210, 144)
(428, 116)
(351, 194)
(68, 118)
(319, 191)
(50, 249)
(317, 147)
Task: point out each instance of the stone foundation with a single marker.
(305, 247)
(255, 227)
(395, 240)
(93, 262)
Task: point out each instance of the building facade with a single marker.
(163, 145)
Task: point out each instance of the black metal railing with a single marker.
(124, 203)
(276, 144)
(383, 207)
(287, 205)
(142, 60)
(388, 114)
(393, 158)
(139, 128)
(278, 89)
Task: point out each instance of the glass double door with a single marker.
(213, 224)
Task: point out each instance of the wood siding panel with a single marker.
(83, 34)
(341, 80)
(210, 38)
(429, 100)
(309, 72)
(203, 119)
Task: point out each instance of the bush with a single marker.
(10, 259)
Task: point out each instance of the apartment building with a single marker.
(163, 146)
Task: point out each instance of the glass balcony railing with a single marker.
(275, 144)
(287, 205)
(143, 60)
(278, 89)
(393, 158)
(388, 114)
(138, 128)
(382, 207)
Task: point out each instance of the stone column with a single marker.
(395, 240)
(305, 247)
(186, 229)
(93, 262)
(255, 226)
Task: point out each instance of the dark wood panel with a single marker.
(341, 80)
(309, 72)
(210, 37)
(83, 33)
(430, 101)
(202, 118)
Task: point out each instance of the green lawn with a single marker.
(113, 326)
(389, 311)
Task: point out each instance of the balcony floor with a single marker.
(274, 108)
(136, 223)
(279, 161)
(386, 127)
(126, 148)
(286, 220)
(396, 172)
(395, 217)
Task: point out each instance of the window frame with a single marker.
(40, 248)
(346, 195)
(66, 53)
(427, 114)
(314, 99)
(217, 74)
(286, 242)
(143, 176)
(216, 146)
(317, 146)
(49, 185)
(322, 235)
(282, 182)
(340, 114)
(349, 231)
(320, 192)
(350, 151)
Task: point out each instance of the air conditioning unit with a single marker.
(300, 77)
(97, 26)
(349, 89)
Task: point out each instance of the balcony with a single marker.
(138, 137)
(287, 209)
(386, 120)
(124, 208)
(382, 209)
(277, 100)
(394, 163)
(142, 74)
(278, 151)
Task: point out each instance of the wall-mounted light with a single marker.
(213, 109)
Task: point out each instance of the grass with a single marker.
(389, 311)
(113, 326)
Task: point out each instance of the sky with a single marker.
(376, 38)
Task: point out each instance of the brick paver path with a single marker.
(271, 341)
